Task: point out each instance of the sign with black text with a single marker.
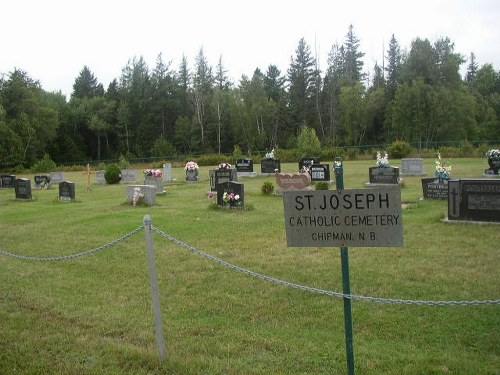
(356, 217)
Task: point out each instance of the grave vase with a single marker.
(494, 165)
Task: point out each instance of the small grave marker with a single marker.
(384, 175)
(100, 179)
(320, 172)
(270, 166)
(7, 181)
(56, 177)
(244, 165)
(22, 187)
(67, 191)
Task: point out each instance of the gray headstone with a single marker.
(157, 182)
(56, 177)
(167, 172)
(128, 176)
(412, 167)
(100, 177)
(149, 192)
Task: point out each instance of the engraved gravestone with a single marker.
(149, 192)
(7, 181)
(432, 188)
(244, 165)
(128, 176)
(412, 167)
(56, 177)
(41, 181)
(22, 187)
(67, 191)
(320, 172)
(384, 175)
(270, 166)
(474, 200)
(307, 162)
(231, 194)
(221, 176)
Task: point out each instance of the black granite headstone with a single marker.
(230, 190)
(244, 165)
(307, 163)
(270, 166)
(384, 175)
(320, 172)
(474, 200)
(432, 188)
(7, 181)
(221, 176)
(22, 187)
(66, 191)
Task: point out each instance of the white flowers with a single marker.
(493, 154)
(270, 155)
(382, 162)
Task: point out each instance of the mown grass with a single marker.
(93, 315)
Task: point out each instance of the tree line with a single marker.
(417, 96)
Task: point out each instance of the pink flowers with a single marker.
(191, 166)
(224, 166)
(153, 172)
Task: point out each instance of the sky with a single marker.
(52, 40)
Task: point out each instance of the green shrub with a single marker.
(44, 165)
(267, 188)
(308, 142)
(321, 185)
(399, 149)
(123, 163)
(112, 174)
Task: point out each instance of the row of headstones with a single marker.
(22, 189)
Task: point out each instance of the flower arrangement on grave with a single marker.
(224, 166)
(45, 185)
(443, 169)
(493, 155)
(137, 196)
(231, 199)
(383, 161)
(153, 173)
(191, 166)
(270, 154)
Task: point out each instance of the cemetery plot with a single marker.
(221, 176)
(128, 176)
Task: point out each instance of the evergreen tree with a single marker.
(393, 68)
(86, 85)
(301, 79)
(353, 63)
(472, 68)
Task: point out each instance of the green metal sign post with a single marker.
(346, 285)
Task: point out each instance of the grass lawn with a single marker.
(93, 315)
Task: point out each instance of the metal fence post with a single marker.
(346, 285)
(160, 340)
